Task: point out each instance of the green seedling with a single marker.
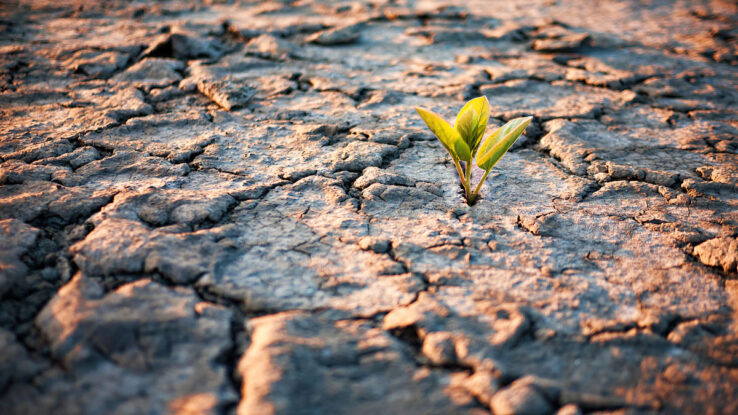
(464, 141)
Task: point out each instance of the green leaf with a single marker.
(466, 125)
(446, 134)
(462, 150)
(471, 122)
(500, 141)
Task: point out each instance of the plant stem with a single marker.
(463, 178)
(467, 180)
(479, 185)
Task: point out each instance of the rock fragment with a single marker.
(116, 246)
(336, 36)
(97, 64)
(358, 155)
(619, 172)
(270, 47)
(566, 43)
(16, 172)
(160, 344)
(181, 256)
(226, 93)
(123, 167)
(483, 385)
(520, 399)
(127, 103)
(378, 245)
(45, 149)
(719, 252)
(152, 72)
(297, 359)
(372, 175)
(77, 158)
(33, 199)
(182, 44)
(440, 348)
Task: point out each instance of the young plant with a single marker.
(463, 141)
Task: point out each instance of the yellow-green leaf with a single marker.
(500, 141)
(466, 125)
(471, 122)
(446, 134)
(462, 150)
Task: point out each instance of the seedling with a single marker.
(463, 141)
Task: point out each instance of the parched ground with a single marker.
(232, 207)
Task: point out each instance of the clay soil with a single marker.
(232, 207)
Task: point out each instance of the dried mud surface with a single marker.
(231, 207)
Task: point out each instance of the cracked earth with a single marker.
(232, 207)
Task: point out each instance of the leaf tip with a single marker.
(525, 122)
